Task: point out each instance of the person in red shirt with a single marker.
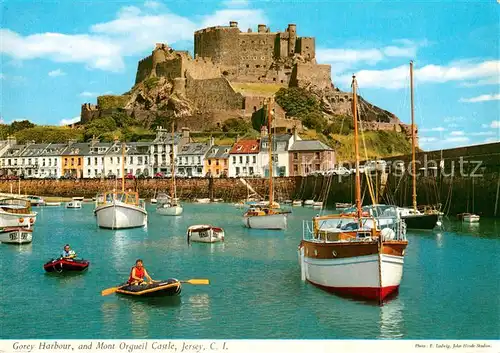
(138, 273)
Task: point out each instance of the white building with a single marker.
(191, 158)
(49, 160)
(161, 149)
(244, 159)
(281, 144)
(94, 159)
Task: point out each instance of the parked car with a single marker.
(129, 176)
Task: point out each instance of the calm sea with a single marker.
(450, 287)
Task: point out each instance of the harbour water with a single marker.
(449, 289)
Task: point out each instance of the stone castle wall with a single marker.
(222, 96)
(309, 75)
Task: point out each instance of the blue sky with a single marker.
(54, 56)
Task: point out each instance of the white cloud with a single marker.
(88, 94)
(492, 139)
(56, 73)
(482, 98)
(438, 129)
(495, 124)
(397, 77)
(236, 3)
(425, 139)
(133, 32)
(456, 139)
(69, 121)
(483, 133)
(152, 4)
(457, 133)
(483, 82)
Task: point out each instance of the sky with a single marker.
(56, 55)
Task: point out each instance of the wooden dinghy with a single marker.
(166, 288)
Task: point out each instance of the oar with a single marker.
(196, 281)
(109, 291)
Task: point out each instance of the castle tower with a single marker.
(292, 38)
(261, 28)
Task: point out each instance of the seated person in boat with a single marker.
(138, 273)
(68, 253)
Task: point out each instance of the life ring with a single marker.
(31, 220)
(21, 220)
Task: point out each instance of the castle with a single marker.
(257, 57)
(232, 75)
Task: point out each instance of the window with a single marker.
(244, 170)
(234, 160)
(111, 160)
(88, 172)
(131, 160)
(241, 159)
(317, 167)
(117, 160)
(88, 161)
(317, 155)
(79, 161)
(295, 168)
(199, 159)
(216, 162)
(209, 162)
(250, 170)
(43, 162)
(247, 159)
(50, 162)
(237, 170)
(95, 172)
(295, 156)
(254, 159)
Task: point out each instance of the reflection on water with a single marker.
(139, 320)
(391, 320)
(23, 249)
(439, 239)
(109, 312)
(199, 307)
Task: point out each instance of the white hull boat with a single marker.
(120, 215)
(74, 204)
(297, 203)
(308, 202)
(52, 204)
(471, 218)
(272, 221)
(16, 213)
(372, 276)
(167, 210)
(16, 235)
(153, 201)
(206, 200)
(205, 234)
(318, 204)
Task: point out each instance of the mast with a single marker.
(173, 194)
(414, 174)
(270, 148)
(123, 166)
(356, 147)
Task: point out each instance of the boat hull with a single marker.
(16, 235)
(120, 216)
(274, 221)
(169, 210)
(202, 234)
(168, 288)
(74, 204)
(356, 269)
(8, 219)
(66, 265)
(421, 221)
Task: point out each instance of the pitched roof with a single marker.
(77, 149)
(194, 148)
(219, 152)
(245, 147)
(309, 145)
(54, 149)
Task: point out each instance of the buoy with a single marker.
(21, 220)
(31, 220)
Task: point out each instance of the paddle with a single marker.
(112, 290)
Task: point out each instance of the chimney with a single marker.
(261, 28)
(116, 139)
(11, 140)
(237, 138)
(94, 141)
(263, 131)
(71, 142)
(233, 24)
(212, 141)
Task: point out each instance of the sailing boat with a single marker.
(119, 210)
(469, 217)
(267, 216)
(170, 206)
(413, 218)
(355, 254)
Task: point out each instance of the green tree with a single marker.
(236, 125)
(314, 120)
(297, 101)
(16, 126)
(98, 127)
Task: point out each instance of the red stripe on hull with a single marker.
(370, 293)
